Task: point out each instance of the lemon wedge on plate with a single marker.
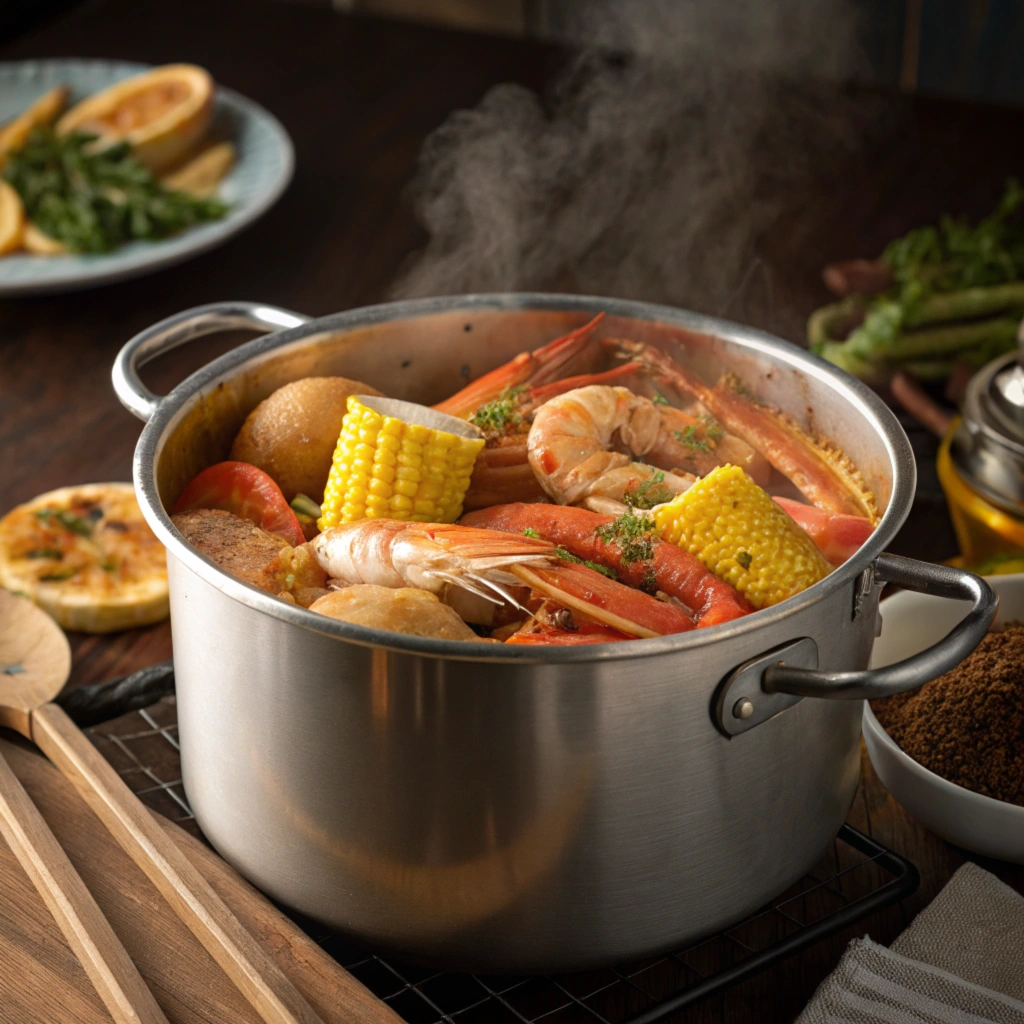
(161, 113)
(12, 219)
(86, 556)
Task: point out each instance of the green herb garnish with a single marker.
(567, 556)
(659, 399)
(744, 558)
(500, 414)
(688, 437)
(634, 535)
(649, 493)
(531, 532)
(82, 525)
(712, 428)
(56, 577)
(45, 553)
(94, 199)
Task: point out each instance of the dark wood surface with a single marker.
(359, 97)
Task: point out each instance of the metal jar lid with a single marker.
(988, 445)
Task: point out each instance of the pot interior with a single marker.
(427, 356)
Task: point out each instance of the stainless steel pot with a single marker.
(512, 810)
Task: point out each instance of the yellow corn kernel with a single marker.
(384, 467)
(737, 531)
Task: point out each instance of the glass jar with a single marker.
(981, 465)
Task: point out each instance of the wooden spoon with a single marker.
(34, 663)
(33, 646)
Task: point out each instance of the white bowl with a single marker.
(910, 623)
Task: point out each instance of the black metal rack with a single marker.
(856, 877)
(867, 878)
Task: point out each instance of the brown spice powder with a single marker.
(968, 725)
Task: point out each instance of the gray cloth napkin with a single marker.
(974, 929)
(960, 962)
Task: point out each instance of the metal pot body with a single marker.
(508, 817)
(484, 808)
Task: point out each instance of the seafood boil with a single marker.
(594, 490)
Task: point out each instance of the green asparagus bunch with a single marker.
(93, 200)
(957, 295)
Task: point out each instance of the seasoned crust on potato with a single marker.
(292, 434)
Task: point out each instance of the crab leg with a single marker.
(528, 368)
(585, 633)
(603, 600)
(675, 572)
(820, 471)
(838, 537)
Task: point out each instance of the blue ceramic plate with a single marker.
(260, 174)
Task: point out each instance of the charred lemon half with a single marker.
(86, 555)
(161, 113)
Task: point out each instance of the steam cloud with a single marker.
(650, 174)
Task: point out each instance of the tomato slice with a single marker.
(246, 491)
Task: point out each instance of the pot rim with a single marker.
(173, 406)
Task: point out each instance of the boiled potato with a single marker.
(292, 434)
(403, 610)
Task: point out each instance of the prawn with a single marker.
(502, 472)
(575, 442)
(435, 556)
(640, 560)
(820, 471)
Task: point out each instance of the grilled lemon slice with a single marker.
(86, 555)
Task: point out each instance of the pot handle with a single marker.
(186, 326)
(924, 578)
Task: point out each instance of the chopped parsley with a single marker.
(531, 532)
(56, 577)
(659, 399)
(649, 493)
(712, 428)
(82, 525)
(744, 558)
(499, 415)
(688, 436)
(108, 565)
(567, 556)
(634, 535)
(44, 553)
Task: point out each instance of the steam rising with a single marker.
(650, 174)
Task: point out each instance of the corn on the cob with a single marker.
(386, 468)
(743, 537)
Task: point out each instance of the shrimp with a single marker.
(575, 443)
(820, 471)
(502, 472)
(640, 560)
(434, 556)
(526, 369)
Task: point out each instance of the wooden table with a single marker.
(359, 97)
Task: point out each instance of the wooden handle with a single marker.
(257, 977)
(88, 932)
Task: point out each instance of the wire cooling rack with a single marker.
(856, 877)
